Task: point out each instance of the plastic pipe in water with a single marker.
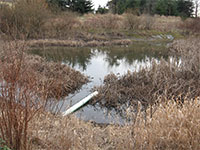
(79, 104)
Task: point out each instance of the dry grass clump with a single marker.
(171, 127)
(64, 80)
(143, 22)
(106, 22)
(164, 79)
(166, 23)
(177, 77)
(132, 21)
(56, 132)
(61, 25)
(189, 52)
(191, 25)
(61, 79)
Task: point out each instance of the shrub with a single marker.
(147, 22)
(139, 22)
(132, 21)
(61, 25)
(24, 19)
(191, 26)
(21, 97)
(3, 145)
(26, 86)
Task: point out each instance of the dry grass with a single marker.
(170, 128)
(78, 43)
(191, 26)
(172, 78)
(24, 20)
(169, 23)
(69, 29)
(106, 22)
(61, 26)
(27, 82)
(63, 79)
(143, 22)
(19, 97)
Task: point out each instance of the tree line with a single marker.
(80, 6)
(183, 8)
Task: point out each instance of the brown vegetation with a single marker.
(27, 83)
(177, 77)
(103, 22)
(191, 26)
(80, 43)
(25, 19)
(170, 128)
(34, 20)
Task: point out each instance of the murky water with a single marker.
(97, 63)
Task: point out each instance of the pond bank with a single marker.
(176, 78)
(77, 43)
(99, 62)
(61, 79)
(55, 132)
(104, 40)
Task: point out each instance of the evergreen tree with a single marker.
(101, 10)
(185, 8)
(80, 6)
(166, 7)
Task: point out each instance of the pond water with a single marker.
(97, 63)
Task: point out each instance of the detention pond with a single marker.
(99, 62)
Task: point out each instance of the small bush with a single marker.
(3, 145)
(24, 19)
(191, 26)
(132, 21)
(147, 22)
(19, 97)
(139, 22)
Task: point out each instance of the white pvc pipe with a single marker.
(79, 104)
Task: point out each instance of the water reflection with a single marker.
(97, 63)
(112, 55)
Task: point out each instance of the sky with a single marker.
(99, 2)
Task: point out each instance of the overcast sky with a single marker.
(99, 2)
